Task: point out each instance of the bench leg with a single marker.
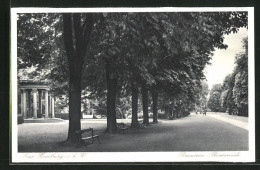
(98, 140)
(86, 144)
(79, 143)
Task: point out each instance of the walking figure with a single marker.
(204, 112)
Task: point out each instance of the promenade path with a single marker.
(213, 132)
(235, 120)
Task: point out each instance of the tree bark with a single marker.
(135, 93)
(76, 39)
(74, 107)
(155, 109)
(145, 105)
(166, 110)
(111, 100)
(175, 111)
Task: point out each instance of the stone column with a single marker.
(49, 105)
(29, 114)
(40, 101)
(24, 106)
(21, 112)
(34, 91)
(46, 104)
(52, 107)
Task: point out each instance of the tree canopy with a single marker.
(234, 89)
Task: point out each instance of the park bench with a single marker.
(122, 127)
(141, 124)
(87, 134)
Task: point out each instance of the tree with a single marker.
(234, 95)
(240, 90)
(76, 32)
(182, 57)
(185, 62)
(227, 101)
(106, 61)
(214, 102)
(201, 97)
(36, 39)
(135, 92)
(155, 107)
(41, 50)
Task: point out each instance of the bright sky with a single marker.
(223, 60)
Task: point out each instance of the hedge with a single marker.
(64, 116)
(20, 120)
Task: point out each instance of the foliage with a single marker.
(201, 102)
(223, 98)
(35, 39)
(240, 90)
(64, 116)
(234, 89)
(214, 102)
(40, 50)
(20, 120)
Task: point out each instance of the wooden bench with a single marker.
(122, 127)
(141, 124)
(87, 134)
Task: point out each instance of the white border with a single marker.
(84, 157)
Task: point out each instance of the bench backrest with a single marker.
(120, 125)
(85, 130)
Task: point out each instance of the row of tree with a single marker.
(232, 95)
(122, 54)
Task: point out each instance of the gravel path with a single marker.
(238, 121)
(193, 133)
(232, 117)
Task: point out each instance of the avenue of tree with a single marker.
(160, 56)
(232, 95)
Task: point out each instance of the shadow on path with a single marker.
(193, 133)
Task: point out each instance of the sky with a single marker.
(223, 61)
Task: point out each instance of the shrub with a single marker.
(20, 120)
(161, 115)
(101, 111)
(170, 117)
(64, 116)
(186, 113)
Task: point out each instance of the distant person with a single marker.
(204, 112)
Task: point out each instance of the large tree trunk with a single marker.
(135, 93)
(74, 107)
(76, 38)
(145, 105)
(175, 112)
(166, 110)
(111, 100)
(155, 102)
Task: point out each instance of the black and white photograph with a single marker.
(132, 85)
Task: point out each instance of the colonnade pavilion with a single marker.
(42, 103)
